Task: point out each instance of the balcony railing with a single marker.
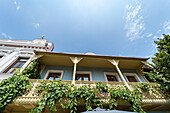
(31, 96)
(157, 94)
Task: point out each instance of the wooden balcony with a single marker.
(28, 101)
(31, 96)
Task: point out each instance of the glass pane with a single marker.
(51, 78)
(23, 59)
(10, 70)
(55, 76)
(22, 64)
(111, 78)
(131, 79)
(86, 79)
(17, 63)
(78, 78)
(82, 77)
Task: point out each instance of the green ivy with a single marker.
(12, 87)
(67, 96)
(17, 84)
(33, 70)
(57, 92)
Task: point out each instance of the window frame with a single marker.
(84, 72)
(14, 63)
(54, 71)
(112, 73)
(132, 74)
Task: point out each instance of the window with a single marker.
(17, 64)
(131, 77)
(54, 74)
(83, 76)
(112, 77)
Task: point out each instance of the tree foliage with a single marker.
(160, 73)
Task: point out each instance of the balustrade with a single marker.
(32, 95)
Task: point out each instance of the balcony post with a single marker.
(146, 63)
(115, 63)
(140, 71)
(29, 61)
(75, 60)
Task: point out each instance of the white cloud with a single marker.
(6, 36)
(134, 22)
(15, 2)
(166, 26)
(36, 25)
(158, 36)
(165, 29)
(155, 37)
(152, 52)
(149, 35)
(18, 5)
(159, 31)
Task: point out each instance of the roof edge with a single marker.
(87, 55)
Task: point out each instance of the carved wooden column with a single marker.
(29, 61)
(75, 60)
(115, 63)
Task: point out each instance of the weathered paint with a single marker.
(97, 73)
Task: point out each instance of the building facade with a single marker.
(80, 69)
(15, 53)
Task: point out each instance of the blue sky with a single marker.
(108, 27)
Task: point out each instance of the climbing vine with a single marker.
(16, 85)
(68, 96)
(33, 70)
(12, 87)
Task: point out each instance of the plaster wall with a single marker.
(97, 73)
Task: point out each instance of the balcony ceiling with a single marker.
(100, 61)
